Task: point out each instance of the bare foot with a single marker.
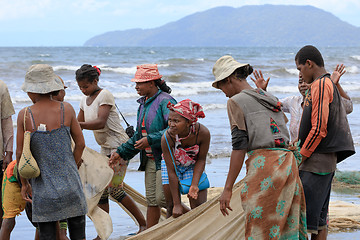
(97, 238)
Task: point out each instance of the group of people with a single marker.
(285, 192)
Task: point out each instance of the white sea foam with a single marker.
(44, 55)
(213, 106)
(200, 59)
(190, 85)
(66, 67)
(103, 67)
(163, 65)
(20, 99)
(124, 70)
(356, 57)
(352, 69)
(292, 71)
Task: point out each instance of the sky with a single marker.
(72, 22)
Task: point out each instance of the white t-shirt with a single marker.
(292, 105)
(113, 134)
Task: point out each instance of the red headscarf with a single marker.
(188, 109)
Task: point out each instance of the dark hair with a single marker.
(309, 53)
(243, 72)
(162, 85)
(87, 72)
(55, 93)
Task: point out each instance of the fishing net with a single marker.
(349, 177)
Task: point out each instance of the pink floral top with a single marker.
(185, 156)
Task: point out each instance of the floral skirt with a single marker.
(272, 196)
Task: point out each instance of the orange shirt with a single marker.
(320, 96)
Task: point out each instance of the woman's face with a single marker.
(226, 87)
(178, 124)
(87, 88)
(143, 88)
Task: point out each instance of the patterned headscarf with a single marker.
(188, 109)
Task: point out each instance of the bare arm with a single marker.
(236, 162)
(80, 116)
(99, 122)
(8, 139)
(335, 77)
(173, 179)
(76, 134)
(204, 142)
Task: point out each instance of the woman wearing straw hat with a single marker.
(57, 193)
(152, 119)
(272, 196)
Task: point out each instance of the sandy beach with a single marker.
(344, 200)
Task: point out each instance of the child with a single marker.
(98, 113)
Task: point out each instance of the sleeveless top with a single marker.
(57, 193)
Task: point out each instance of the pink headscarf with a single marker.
(188, 109)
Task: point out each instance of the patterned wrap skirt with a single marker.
(272, 196)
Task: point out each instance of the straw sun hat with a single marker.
(40, 78)
(146, 72)
(224, 67)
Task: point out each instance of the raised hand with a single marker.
(338, 72)
(259, 80)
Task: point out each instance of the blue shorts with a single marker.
(182, 171)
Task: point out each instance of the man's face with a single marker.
(304, 71)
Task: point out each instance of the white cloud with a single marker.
(15, 9)
(90, 5)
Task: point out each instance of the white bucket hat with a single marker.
(40, 78)
(224, 67)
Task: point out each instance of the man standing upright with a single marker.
(325, 138)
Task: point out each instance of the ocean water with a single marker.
(188, 71)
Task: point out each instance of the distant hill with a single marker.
(264, 25)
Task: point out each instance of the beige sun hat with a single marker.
(40, 78)
(224, 67)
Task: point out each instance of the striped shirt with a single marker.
(319, 98)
